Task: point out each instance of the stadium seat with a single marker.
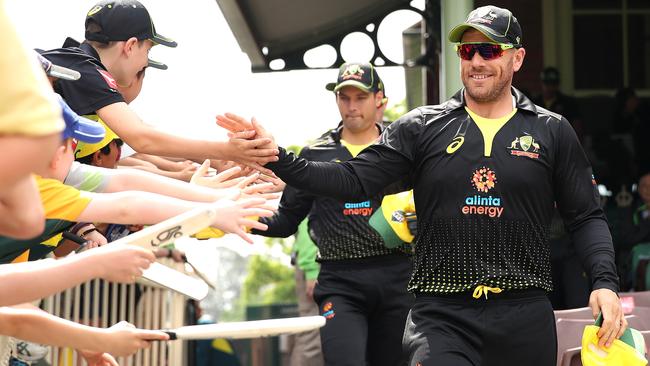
(571, 357)
(569, 335)
(578, 313)
(640, 298)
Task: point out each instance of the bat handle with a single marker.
(73, 237)
(171, 334)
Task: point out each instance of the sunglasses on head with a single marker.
(488, 51)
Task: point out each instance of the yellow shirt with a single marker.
(28, 106)
(354, 149)
(61, 203)
(489, 127)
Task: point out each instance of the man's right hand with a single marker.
(254, 153)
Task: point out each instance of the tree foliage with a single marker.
(269, 281)
(396, 111)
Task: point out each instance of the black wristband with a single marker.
(89, 231)
(78, 226)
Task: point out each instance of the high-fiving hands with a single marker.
(235, 214)
(254, 153)
(253, 185)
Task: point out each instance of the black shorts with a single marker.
(365, 303)
(507, 329)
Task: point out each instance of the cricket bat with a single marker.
(177, 281)
(249, 329)
(166, 232)
(171, 229)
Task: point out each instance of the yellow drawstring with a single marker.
(483, 290)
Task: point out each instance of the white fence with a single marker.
(102, 304)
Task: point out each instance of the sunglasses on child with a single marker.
(488, 51)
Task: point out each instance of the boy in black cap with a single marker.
(119, 35)
(488, 168)
(361, 287)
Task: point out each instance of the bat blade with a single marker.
(167, 231)
(248, 329)
(177, 281)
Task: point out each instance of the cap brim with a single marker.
(157, 65)
(160, 39)
(88, 148)
(353, 83)
(87, 130)
(456, 34)
(330, 86)
(80, 128)
(63, 73)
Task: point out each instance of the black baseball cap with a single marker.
(496, 23)
(363, 76)
(120, 20)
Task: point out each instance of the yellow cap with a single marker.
(214, 233)
(208, 233)
(620, 353)
(85, 149)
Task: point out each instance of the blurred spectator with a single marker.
(556, 101)
(631, 119)
(635, 235)
(208, 352)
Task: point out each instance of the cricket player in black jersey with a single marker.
(487, 166)
(361, 287)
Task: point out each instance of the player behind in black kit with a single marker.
(361, 287)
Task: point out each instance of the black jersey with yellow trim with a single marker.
(482, 220)
(340, 229)
(95, 89)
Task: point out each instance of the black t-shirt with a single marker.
(95, 89)
(482, 220)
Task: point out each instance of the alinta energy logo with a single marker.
(483, 180)
(357, 208)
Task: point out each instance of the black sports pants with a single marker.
(366, 304)
(507, 329)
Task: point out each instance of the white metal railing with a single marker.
(101, 304)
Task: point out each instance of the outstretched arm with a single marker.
(145, 139)
(41, 327)
(117, 263)
(364, 176)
